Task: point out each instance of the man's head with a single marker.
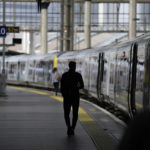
(72, 65)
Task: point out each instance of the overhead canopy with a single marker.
(94, 1)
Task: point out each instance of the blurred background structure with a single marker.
(107, 23)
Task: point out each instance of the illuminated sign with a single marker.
(12, 29)
(3, 31)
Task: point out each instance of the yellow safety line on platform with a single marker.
(82, 114)
(125, 101)
(84, 117)
(57, 98)
(28, 90)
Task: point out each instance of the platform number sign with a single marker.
(3, 31)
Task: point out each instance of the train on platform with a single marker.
(117, 73)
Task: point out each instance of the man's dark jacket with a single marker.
(71, 82)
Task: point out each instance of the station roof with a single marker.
(94, 1)
(10, 53)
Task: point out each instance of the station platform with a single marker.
(32, 119)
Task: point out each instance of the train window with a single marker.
(140, 66)
(13, 68)
(112, 66)
(31, 69)
(22, 68)
(104, 76)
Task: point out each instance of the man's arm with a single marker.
(81, 83)
(63, 85)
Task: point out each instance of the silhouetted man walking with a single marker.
(71, 82)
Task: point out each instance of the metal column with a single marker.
(62, 27)
(3, 76)
(44, 28)
(4, 5)
(72, 26)
(118, 9)
(31, 41)
(67, 25)
(87, 23)
(132, 21)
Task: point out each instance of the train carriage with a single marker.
(31, 69)
(16, 68)
(125, 65)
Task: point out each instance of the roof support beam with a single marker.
(94, 1)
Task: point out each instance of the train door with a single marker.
(132, 79)
(86, 72)
(122, 70)
(18, 73)
(140, 67)
(112, 68)
(146, 93)
(22, 70)
(100, 75)
(104, 82)
(93, 74)
(31, 70)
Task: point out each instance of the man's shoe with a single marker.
(69, 132)
(72, 131)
